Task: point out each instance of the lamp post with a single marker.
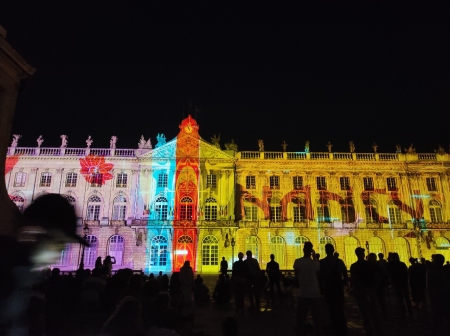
(233, 243)
(86, 232)
(367, 247)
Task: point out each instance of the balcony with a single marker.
(300, 224)
(374, 225)
(218, 223)
(437, 225)
(117, 222)
(278, 224)
(71, 152)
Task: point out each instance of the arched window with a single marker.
(158, 255)
(119, 208)
(299, 209)
(394, 212)
(161, 208)
(277, 249)
(210, 209)
(185, 240)
(371, 212)
(275, 210)
(299, 241)
(350, 244)
(18, 200)
(347, 211)
(435, 211)
(186, 208)
(322, 242)
(116, 248)
(251, 211)
(93, 209)
(210, 251)
(323, 211)
(376, 245)
(401, 246)
(70, 199)
(443, 247)
(90, 252)
(251, 244)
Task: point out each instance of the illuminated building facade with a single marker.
(187, 199)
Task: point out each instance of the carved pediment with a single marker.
(165, 151)
(208, 151)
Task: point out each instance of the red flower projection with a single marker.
(11, 161)
(95, 169)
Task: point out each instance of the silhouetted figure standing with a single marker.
(254, 271)
(417, 282)
(223, 266)
(384, 274)
(239, 282)
(333, 277)
(273, 272)
(186, 282)
(108, 263)
(379, 290)
(306, 270)
(438, 287)
(399, 278)
(364, 282)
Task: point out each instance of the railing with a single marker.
(343, 156)
(276, 224)
(124, 152)
(374, 225)
(296, 156)
(50, 151)
(218, 223)
(100, 151)
(398, 225)
(437, 225)
(22, 151)
(250, 155)
(57, 151)
(117, 222)
(92, 222)
(388, 157)
(273, 155)
(365, 156)
(320, 156)
(75, 152)
(427, 157)
(300, 224)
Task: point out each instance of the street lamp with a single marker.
(367, 247)
(86, 232)
(233, 243)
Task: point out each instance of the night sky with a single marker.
(333, 71)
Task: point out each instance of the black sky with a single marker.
(335, 71)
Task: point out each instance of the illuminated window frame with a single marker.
(391, 184)
(20, 179)
(71, 180)
(394, 213)
(210, 251)
(321, 182)
(93, 208)
(161, 208)
(211, 181)
(275, 210)
(431, 184)
(435, 211)
(46, 179)
(368, 183)
(344, 181)
(274, 182)
(297, 182)
(119, 208)
(250, 182)
(162, 180)
(186, 208)
(158, 251)
(210, 209)
(122, 180)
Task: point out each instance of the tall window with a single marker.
(347, 211)
(119, 208)
(210, 251)
(250, 182)
(297, 182)
(431, 184)
(71, 179)
(323, 212)
(210, 209)
(162, 180)
(275, 210)
(277, 249)
(251, 211)
(395, 214)
(19, 179)
(18, 201)
(371, 211)
(299, 242)
(274, 182)
(368, 183)
(93, 209)
(350, 244)
(121, 181)
(345, 183)
(161, 208)
(211, 181)
(391, 184)
(322, 242)
(299, 213)
(116, 248)
(321, 183)
(376, 245)
(97, 180)
(401, 246)
(251, 244)
(90, 252)
(64, 257)
(158, 256)
(435, 211)
(186, 208)
(46, 180)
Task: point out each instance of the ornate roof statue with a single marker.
(215, 141)
(307, 147)
(231, 145)
(375, 147)
(398, 148)
(330, 147)
(410, 150)
(161, 140)
(89, 141)
(142, 142)
(440, 150)
(15, 141)
(148, 144)
(284, 145)
(39, 140)
(64, 140)
(113, 141)
(352, 146)
(261, 145)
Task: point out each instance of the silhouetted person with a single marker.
(333, 277)
(306, 271)
(364, 282)
(222, 293)
(384, 274)
(108, 263)
(98, 263)
(417, 274)
(273, 272)
(438, 287)
(223, 266)
(201, 293)
(253, 272)
(399, 278)
(379, 290)
(186, 282)
(239, 282)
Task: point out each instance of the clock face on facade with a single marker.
(188, 128)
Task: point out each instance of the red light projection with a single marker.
(95, 170)
(11, 161)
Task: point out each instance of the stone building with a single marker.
(187, 199)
